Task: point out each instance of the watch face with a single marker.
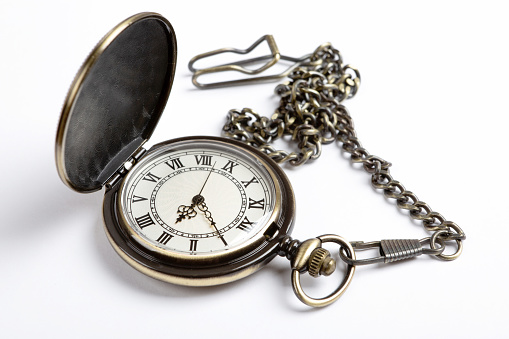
(199, 199)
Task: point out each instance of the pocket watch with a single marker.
(201, 211)
(193, 211)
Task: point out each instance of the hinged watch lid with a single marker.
(115, 100)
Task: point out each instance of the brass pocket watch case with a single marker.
(192, 211)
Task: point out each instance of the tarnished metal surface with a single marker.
(115, 100)
(312, 113)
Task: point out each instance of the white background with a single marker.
(433, 101)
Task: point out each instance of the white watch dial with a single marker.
(198, 198)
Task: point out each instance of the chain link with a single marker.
(312, 113)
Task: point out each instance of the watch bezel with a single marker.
(204, 269)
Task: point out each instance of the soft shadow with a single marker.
(119, 270)
(48, 205)
(279, 270)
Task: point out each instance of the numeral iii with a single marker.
(144, 220)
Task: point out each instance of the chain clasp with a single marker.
(392, 250)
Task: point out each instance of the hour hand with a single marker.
(203, 207)
(185, 212)
(188, 211)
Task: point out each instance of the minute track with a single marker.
(215, 207)
(229, 226)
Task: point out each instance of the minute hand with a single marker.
(208, 176)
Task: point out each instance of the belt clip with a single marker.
(238, 66)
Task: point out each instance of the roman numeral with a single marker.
(138, 199)
(245, 225)
(252, 181)
(144, 220)
(229, 166)
(193, 245)
(256, 203)
(205, 160)
(151, 177)
(164, 238)
(174, 163)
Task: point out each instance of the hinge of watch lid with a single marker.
(126, 167)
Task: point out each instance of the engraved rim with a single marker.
(211, 269)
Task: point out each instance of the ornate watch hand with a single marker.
(203, 207)
(185, 211)
(188, 211)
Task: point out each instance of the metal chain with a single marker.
(311, 112)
